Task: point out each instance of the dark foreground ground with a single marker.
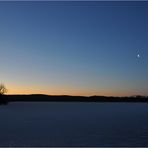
(4, 99)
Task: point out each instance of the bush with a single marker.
(3, 89)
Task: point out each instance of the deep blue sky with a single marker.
(76, 48)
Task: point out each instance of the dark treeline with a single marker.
(4, 99)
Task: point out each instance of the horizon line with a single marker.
(79, 95)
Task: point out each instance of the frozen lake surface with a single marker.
(73, 124)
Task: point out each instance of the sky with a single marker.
(74, 48)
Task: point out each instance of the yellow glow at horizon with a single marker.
(61, 91)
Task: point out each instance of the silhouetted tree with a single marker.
(3, 89)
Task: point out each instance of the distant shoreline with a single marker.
(4, 99)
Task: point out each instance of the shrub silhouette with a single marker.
(3, 89)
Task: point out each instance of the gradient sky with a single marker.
(74, 48)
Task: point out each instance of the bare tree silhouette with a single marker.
(3, 89)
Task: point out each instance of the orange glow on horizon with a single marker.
(68, 92)
(63, 91)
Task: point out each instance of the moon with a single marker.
(138, 56)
